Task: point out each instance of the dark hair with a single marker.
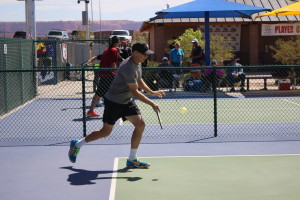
(142, 47)
(113, 41)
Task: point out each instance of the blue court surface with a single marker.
(34, 162)
(57, 121)
(44, 172)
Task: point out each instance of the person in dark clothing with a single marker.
(125, 50)
(235, 75)
(165, 76)
(196, 59)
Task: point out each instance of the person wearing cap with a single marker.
(109, 59)
(119, 103)
(125, 50)
(235, 74)
(197, 54)
(165, 77)
(196, 57)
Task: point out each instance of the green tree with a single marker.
(185, 42)
(219, 45)
(82, 33)
(141, 37)
(287, 52)
(220, 48)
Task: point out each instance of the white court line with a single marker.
(112, 192)
(221, 156)
(292, 102)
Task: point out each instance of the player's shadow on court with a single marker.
(88, 177)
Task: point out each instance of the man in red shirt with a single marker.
(109, 59)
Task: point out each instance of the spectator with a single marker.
(235, 75)
(208, 76)
(165, 77)
(125, 50)
(109, 59)
(196, 59)
(176, 57)
(197, 55)
(41, 55)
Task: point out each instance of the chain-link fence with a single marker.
(267, 109)
(46, 91)
(16, 88)
(64, 53)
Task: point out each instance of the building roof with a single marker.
(272, 4)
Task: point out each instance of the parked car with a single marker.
(58, 34)
(20, 34)
(123, 35)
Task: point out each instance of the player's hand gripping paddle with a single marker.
(158, 116)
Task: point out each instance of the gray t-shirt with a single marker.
(128, 72)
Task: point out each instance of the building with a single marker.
(250, 39)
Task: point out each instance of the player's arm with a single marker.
(144, 86)
(133, 88)
(94, 58)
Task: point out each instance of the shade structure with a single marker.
(292, 9)
(209, 9)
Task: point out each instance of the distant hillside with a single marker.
(42, 28)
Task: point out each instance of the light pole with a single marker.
(30, 18)
(85, 18)
(100, 19)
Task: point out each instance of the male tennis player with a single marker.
(119, 103)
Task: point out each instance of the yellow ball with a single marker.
(154, 82)
(183, 110)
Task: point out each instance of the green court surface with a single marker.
(228, 111)
(270, 177)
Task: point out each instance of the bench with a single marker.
(258, 76)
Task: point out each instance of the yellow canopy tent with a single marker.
(292, 9)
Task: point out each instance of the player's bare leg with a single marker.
(139, 127)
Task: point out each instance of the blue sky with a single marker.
(65, 10)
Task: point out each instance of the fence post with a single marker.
(215, 101)
(83, 100)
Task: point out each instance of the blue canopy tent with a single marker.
(209, 9)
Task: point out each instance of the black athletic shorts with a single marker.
(114, 111)
(103, 85)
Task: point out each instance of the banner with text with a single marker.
(280, 29)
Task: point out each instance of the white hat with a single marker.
(165, 58)
(195, 40)
(213, 62)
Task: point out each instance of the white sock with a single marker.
(132, 154)
(80, 143)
